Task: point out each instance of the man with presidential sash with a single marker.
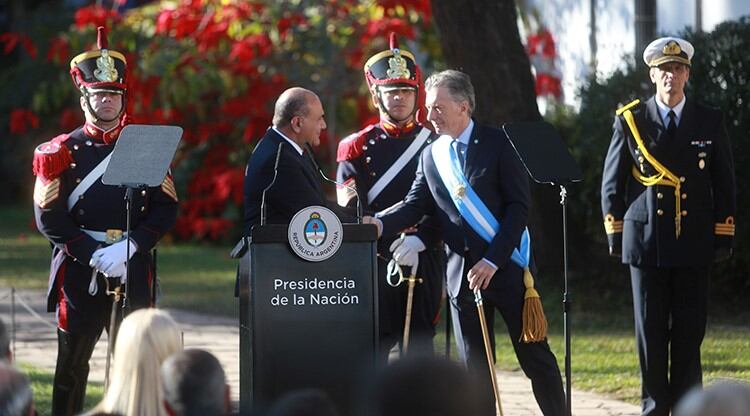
(84, 220)
(472, 180)
(668, 201)
(378, 163)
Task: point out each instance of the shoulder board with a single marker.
(52, 158)
(350, 147)
(628, 106)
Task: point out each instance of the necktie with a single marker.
(672, 127)
(461, 152)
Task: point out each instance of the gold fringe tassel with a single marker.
(534, 321)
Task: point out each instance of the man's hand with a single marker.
(111, 260)
(406, 250)
(480, 275)
(372, 220)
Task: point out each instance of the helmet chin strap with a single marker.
(87, 95)
(388, 115)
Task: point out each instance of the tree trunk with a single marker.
(480, 38)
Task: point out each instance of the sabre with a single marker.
(488, 347)
(412, 281)
(116, 296)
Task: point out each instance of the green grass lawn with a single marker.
(200, 278)
(41, 384)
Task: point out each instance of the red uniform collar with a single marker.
(394, 130)
(108, 137)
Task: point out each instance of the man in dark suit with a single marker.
(297, 122)
(476, 260)
(668, 200)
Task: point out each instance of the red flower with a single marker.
(95, 16)
(21, 120)
(13, 39)
(70, 119)
(58, 51)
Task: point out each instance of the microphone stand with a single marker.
(327, 179)
(273, 180)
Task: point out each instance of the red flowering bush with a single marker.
(215, 68)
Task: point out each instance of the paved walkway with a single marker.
(36, 344)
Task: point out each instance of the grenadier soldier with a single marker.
(379, 163)
(84, 221)
(668, 200)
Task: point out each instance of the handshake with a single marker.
(405, 250)
(110, 260)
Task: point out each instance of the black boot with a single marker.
(72, 372)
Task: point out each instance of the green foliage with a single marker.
(718, 77)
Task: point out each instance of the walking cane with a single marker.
(412, 281)
(488, 347)
(116, 296)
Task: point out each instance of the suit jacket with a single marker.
(495, 172)
(643, 217)
(297, 184)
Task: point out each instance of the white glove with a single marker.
(406, 250)
(111, 260)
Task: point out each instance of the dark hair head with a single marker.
(306, 402)
(194, 383)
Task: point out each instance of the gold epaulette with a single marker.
(627, 106)
(612, 226)
(725, 228)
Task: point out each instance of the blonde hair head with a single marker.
(145, 339)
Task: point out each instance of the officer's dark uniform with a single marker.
(96, 218)
(363, 158)
(669, 248)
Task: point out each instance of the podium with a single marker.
(306, 324)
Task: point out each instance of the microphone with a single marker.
(327, 179)
(263, 196)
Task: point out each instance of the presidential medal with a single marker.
(459, 191)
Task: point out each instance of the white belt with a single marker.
(101, 236)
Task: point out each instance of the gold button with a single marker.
(143, 209)
(682, 179)
(659, 195)
(81, 212)
(78, 180)
(143, 192)
(684, 196)
(373, 173)
(684, 213)
(659, 212)
(73, 165)
(80, 196)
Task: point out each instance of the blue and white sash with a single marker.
(468, 203)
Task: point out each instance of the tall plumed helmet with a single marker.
(393, 67)
(100, 69)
